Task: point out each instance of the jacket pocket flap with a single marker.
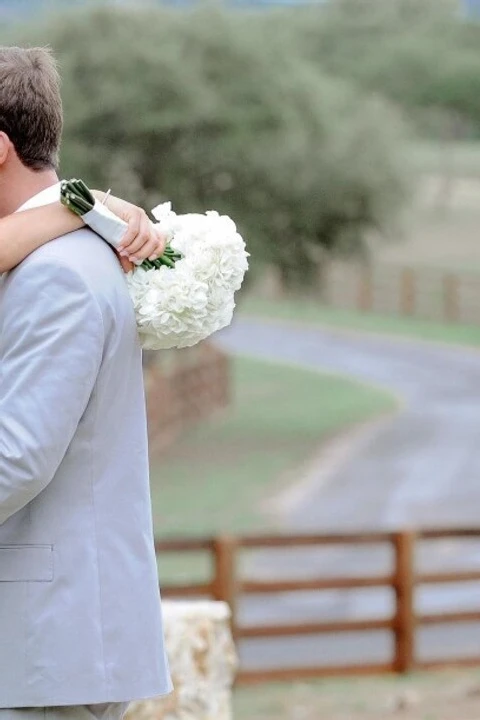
(26, 563)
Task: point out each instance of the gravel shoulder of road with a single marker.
(445, 695)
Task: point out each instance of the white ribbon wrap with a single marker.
(104, 222)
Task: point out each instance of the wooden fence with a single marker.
(227, 583)
(388, 289)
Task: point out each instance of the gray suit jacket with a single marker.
(80, 618)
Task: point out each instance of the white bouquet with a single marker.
(188, 293)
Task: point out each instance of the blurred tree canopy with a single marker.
(216, 109)
(422, 54)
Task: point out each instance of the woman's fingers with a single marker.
(149, 243)
(139, 227)
(143, 244)
(142, 238)
(162, 240)
(126, 264)
(149, 250)
(130, 233)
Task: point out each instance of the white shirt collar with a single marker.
(45, 197)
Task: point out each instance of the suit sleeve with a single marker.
(51, 346)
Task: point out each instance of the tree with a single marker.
(212, 109)
(421, 54)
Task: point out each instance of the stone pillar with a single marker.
(202, 660)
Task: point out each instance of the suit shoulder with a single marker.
(85, 253)
(89, 262)
(45, 276)
(72, 249)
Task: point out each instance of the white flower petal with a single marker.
(179, 307)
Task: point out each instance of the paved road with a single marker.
(422, 468)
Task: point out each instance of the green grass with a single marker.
(312, 312)
(216, 477)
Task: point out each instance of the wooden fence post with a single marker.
(405, 594)
(225, 586)
(407, 291)
(365, 290)
(450, 298)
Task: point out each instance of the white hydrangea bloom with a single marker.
(178, 307)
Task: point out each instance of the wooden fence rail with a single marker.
(390, 289)
(227, 583)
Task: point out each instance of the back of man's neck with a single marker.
(26, 186)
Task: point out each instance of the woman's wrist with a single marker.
(99, 195)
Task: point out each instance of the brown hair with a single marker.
(30, 105)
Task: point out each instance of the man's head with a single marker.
(31, 115)
(31, 122)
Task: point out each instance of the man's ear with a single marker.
(5, 146)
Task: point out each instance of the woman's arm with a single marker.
(25, 231)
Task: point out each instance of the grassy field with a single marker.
(311, 312)
(441, 227)
(228, 464)
(460, 158)
(449, 695)
(216, 477)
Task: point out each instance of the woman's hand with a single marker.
(142, 239)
